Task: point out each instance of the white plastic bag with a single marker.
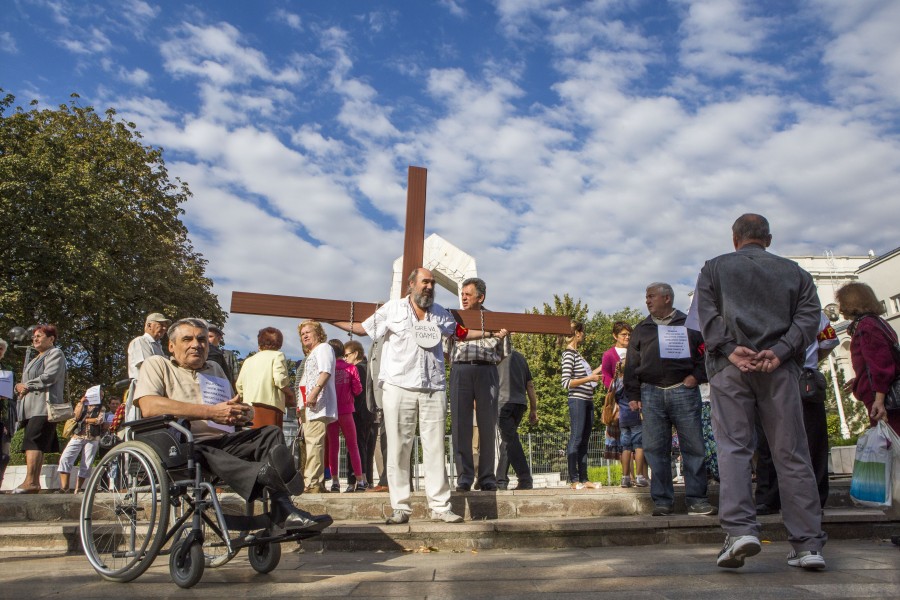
(872, 469)
(894, 512)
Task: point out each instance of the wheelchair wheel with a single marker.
(186, 570)
(215, 550)
(264, 557)
(125, 512)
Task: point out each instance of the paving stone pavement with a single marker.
(856, 569)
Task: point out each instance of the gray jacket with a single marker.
(759, 300)
(45, 378)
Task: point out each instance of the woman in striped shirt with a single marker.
(580, 381)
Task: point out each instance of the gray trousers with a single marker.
(735, 399)
(474, 388)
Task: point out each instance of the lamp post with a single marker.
(845, 430)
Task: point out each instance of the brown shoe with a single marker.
(378, 488)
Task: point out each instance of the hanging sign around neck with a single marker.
(427, 334)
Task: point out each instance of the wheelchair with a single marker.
(148, 496)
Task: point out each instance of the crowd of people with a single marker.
(719, 385)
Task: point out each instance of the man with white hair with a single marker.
(147, 345)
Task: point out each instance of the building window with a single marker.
(895, 303)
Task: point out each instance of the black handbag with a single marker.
(812, 386)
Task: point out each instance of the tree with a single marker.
(544, 356)
(93, 236)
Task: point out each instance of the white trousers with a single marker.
(87, 448)
(402, 407)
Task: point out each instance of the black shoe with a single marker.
(765, 509)
(489, 487)
(463, 487)
(524, 485)
(291, 518)
(502, 486)
(661, 510)
(336, 487)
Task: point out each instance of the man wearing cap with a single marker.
(147, 345)
(224, 358)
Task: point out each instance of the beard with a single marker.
(423, 301)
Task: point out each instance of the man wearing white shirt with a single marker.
(147, 345)
(321, 400)
(413, 382)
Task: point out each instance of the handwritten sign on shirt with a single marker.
(215, 390)
(93, 395)
(6, 384)
(673, 342)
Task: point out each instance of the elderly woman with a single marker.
(871, 353)
(43, 382)
(580, 381)
(264, 381)
(85, 441)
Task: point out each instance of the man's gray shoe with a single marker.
(661, 510)
(810, 560)
(702, 508)
(448, 516)
(736, 549)
(398, 517)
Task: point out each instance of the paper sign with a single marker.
(215, 390)
(93, 395)
(673, 342)
(427, 334)
(6, 384)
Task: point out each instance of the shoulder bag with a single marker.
(56, 413)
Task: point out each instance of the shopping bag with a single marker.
(894, 511)
(872, 469)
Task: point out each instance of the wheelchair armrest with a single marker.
(149, 424)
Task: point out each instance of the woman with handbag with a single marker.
(85, 441)
(872, 352)
(264, 381)
(43, 382)
(629, 422)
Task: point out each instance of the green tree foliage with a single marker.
(544, 355)
(93, 235)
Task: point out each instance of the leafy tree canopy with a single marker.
(93, 235)
(544, 355)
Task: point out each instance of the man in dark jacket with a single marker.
(663, 371)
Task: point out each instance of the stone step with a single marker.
(841, 523)
(372, 506)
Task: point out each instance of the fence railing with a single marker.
(546, 453)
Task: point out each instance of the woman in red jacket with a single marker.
(871, 350)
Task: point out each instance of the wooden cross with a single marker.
(413, 256)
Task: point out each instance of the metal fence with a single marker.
(546, 453)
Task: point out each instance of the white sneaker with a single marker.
(398, 517)
(736, 549)
(448, 516)
(641, 481)
(807, 559)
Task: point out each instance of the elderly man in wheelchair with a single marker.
(255, 463)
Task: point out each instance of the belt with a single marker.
(475, 362)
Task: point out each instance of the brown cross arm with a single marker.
(272, 305)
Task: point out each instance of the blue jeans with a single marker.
(581, 421)
(663, 408)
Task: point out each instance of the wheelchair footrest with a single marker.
(246, 523)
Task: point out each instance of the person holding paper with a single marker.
(43, 382)
(85, 440)
(663, 371)
(250, 460)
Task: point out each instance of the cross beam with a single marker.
(413, 255)
(340, 310)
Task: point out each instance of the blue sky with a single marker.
(579, 147)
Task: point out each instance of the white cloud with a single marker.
(8, 43)
(454, 7)
(89, 42)
(290, 19)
